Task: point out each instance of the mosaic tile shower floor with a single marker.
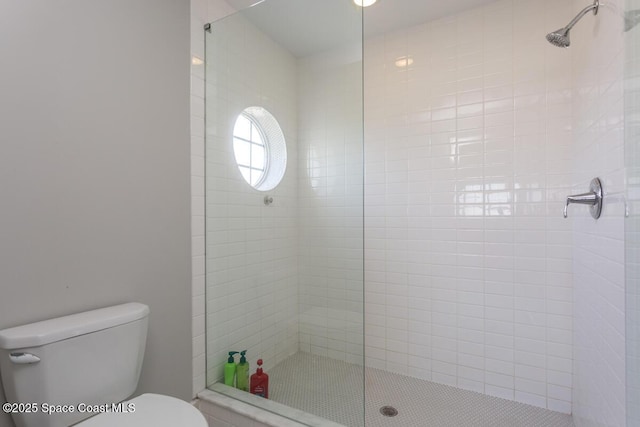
(333, 390)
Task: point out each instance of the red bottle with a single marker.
(259, 382)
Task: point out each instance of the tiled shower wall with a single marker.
(632, 223)
(598, 249)
(469, 155)
(330, 197)
(468, 258)
(251, 248)
(202, 12)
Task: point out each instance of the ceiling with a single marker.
(305, 27)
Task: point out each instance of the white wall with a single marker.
(632, 224)
(469, 156)
(468, 259)
(95, 165)
(330, 194)
(252, 270)
(329, 250)
(598, 250)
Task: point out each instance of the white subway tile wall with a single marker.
(598, 250)
(329, 250)
(468, 156)
(476, 130)
(330, 197)
(202, 12)
(251, 265)
(632, 224)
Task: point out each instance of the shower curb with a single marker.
(257, 409)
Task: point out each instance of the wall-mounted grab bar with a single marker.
(593, 198)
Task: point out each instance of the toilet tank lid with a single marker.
(61, 328)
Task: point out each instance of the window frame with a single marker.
(254, 125)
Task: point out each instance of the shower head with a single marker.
(560, 38)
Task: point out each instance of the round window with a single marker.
(259, 148)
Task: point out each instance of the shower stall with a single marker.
(384, 211)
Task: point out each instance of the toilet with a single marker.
(80, 369)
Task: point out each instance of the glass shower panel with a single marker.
(632, 223)
(284, 267)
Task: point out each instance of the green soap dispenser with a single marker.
(242, 381)
(230, 369)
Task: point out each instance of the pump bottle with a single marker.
(242, 377)
(230, 370)
(260, 382)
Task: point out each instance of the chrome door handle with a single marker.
(593, 198)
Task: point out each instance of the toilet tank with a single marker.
(90, 358)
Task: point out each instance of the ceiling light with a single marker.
(404, 61)
(364, 3)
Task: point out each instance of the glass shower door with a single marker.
(284, 205)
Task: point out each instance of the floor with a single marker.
(333, 390)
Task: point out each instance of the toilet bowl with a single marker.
(150, 410)
(89, 363)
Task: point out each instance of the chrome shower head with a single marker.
(560, 38)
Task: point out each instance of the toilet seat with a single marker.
(151, 410)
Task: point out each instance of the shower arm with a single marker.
(594, 7)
